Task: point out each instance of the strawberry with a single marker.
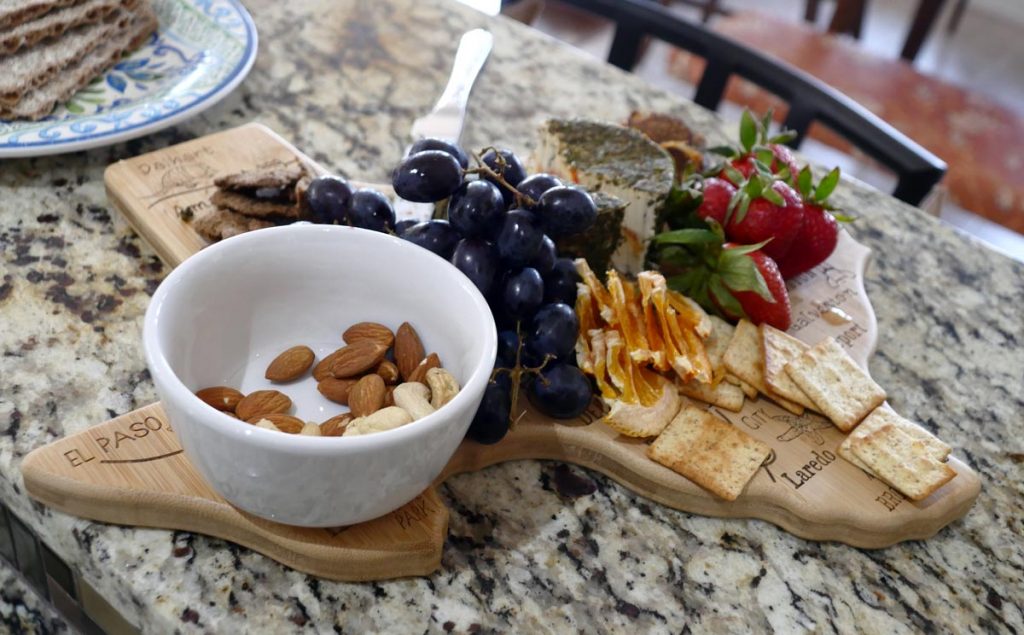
(757, 308)
(758, 152)
(717, 194)
(818, 235)
(735, 281)
(765, 210)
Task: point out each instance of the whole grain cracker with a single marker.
(709, 451)
(884, 415)
(841, 389)
(722, 394)
(253, 207)
(745, 359)
(56, 23)
(779, 349)
(902, 462)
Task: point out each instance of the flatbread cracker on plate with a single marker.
(842, 390)
(902, 461)
(745, 359)
(722, 394)
(709, 451)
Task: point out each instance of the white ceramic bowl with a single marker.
(223, 314)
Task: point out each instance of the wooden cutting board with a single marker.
(131, 470)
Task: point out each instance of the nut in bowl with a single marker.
(225, 315)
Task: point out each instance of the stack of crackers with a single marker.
(254, 199)
(49, 49)
(825, 379)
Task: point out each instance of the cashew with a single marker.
(383, 419)
(310, 429)
(414, 398)
(443, 386)
(265, 423)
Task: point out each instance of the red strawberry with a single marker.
(757, 308)
(782, 157)
(819, 234)
(758, 152)
(717, 194)
(765, 210)
(732, 280)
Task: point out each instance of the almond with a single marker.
(335, 426)
(356, 359)
(323, 369)
(262, 402)
(336, 389)
(220, 397)
(420, 372)
(367, 396)
(283, 422)
(388, 372)
(408, 350)
(291, 364)
(369, 331)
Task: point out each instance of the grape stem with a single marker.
(516, 374)
(522, 200)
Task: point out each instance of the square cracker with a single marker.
(747, 389)
(722, 394)
(780, 348)
(745, 359)
(709, 451)
(902, 461)
(883, 415)
(840, 388)
(717, 343)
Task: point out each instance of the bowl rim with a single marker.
(157, 363)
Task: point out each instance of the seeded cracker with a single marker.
(780, 349)
(256, 208)
(285, 175)
(902, 462)
(881, 416)
(839, 387)
(745, 359)
(711, 452)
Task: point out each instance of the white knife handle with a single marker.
(474, 47)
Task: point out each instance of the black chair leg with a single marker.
(811, 11)
(625, 49)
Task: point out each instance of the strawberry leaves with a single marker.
(749, 131)
(818, 195)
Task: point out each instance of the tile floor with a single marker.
(986, 54)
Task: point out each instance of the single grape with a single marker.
(523, 293)
(478, 259)
(492, 419)
(370, 209)
(433, 143)
(561, 391)
(402, 225)
(535, 185)
(427, 177)
(546, 256)
(327, 198)
(476, 208)
(553, 331)
(513, 172)
(560, 284)
(519, 239)
(434, 235)
(565, 211)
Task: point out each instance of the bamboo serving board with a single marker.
(131, 470)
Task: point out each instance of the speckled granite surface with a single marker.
(533, 546)
(22, 610)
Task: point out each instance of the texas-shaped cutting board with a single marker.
(132, 471)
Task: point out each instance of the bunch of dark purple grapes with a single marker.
(499, 233)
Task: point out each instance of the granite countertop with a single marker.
(532, 545)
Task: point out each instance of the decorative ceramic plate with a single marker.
(202, 50)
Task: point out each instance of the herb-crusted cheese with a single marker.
(597, 244)
(618, 161)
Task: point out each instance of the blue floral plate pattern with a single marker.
(201, 51)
